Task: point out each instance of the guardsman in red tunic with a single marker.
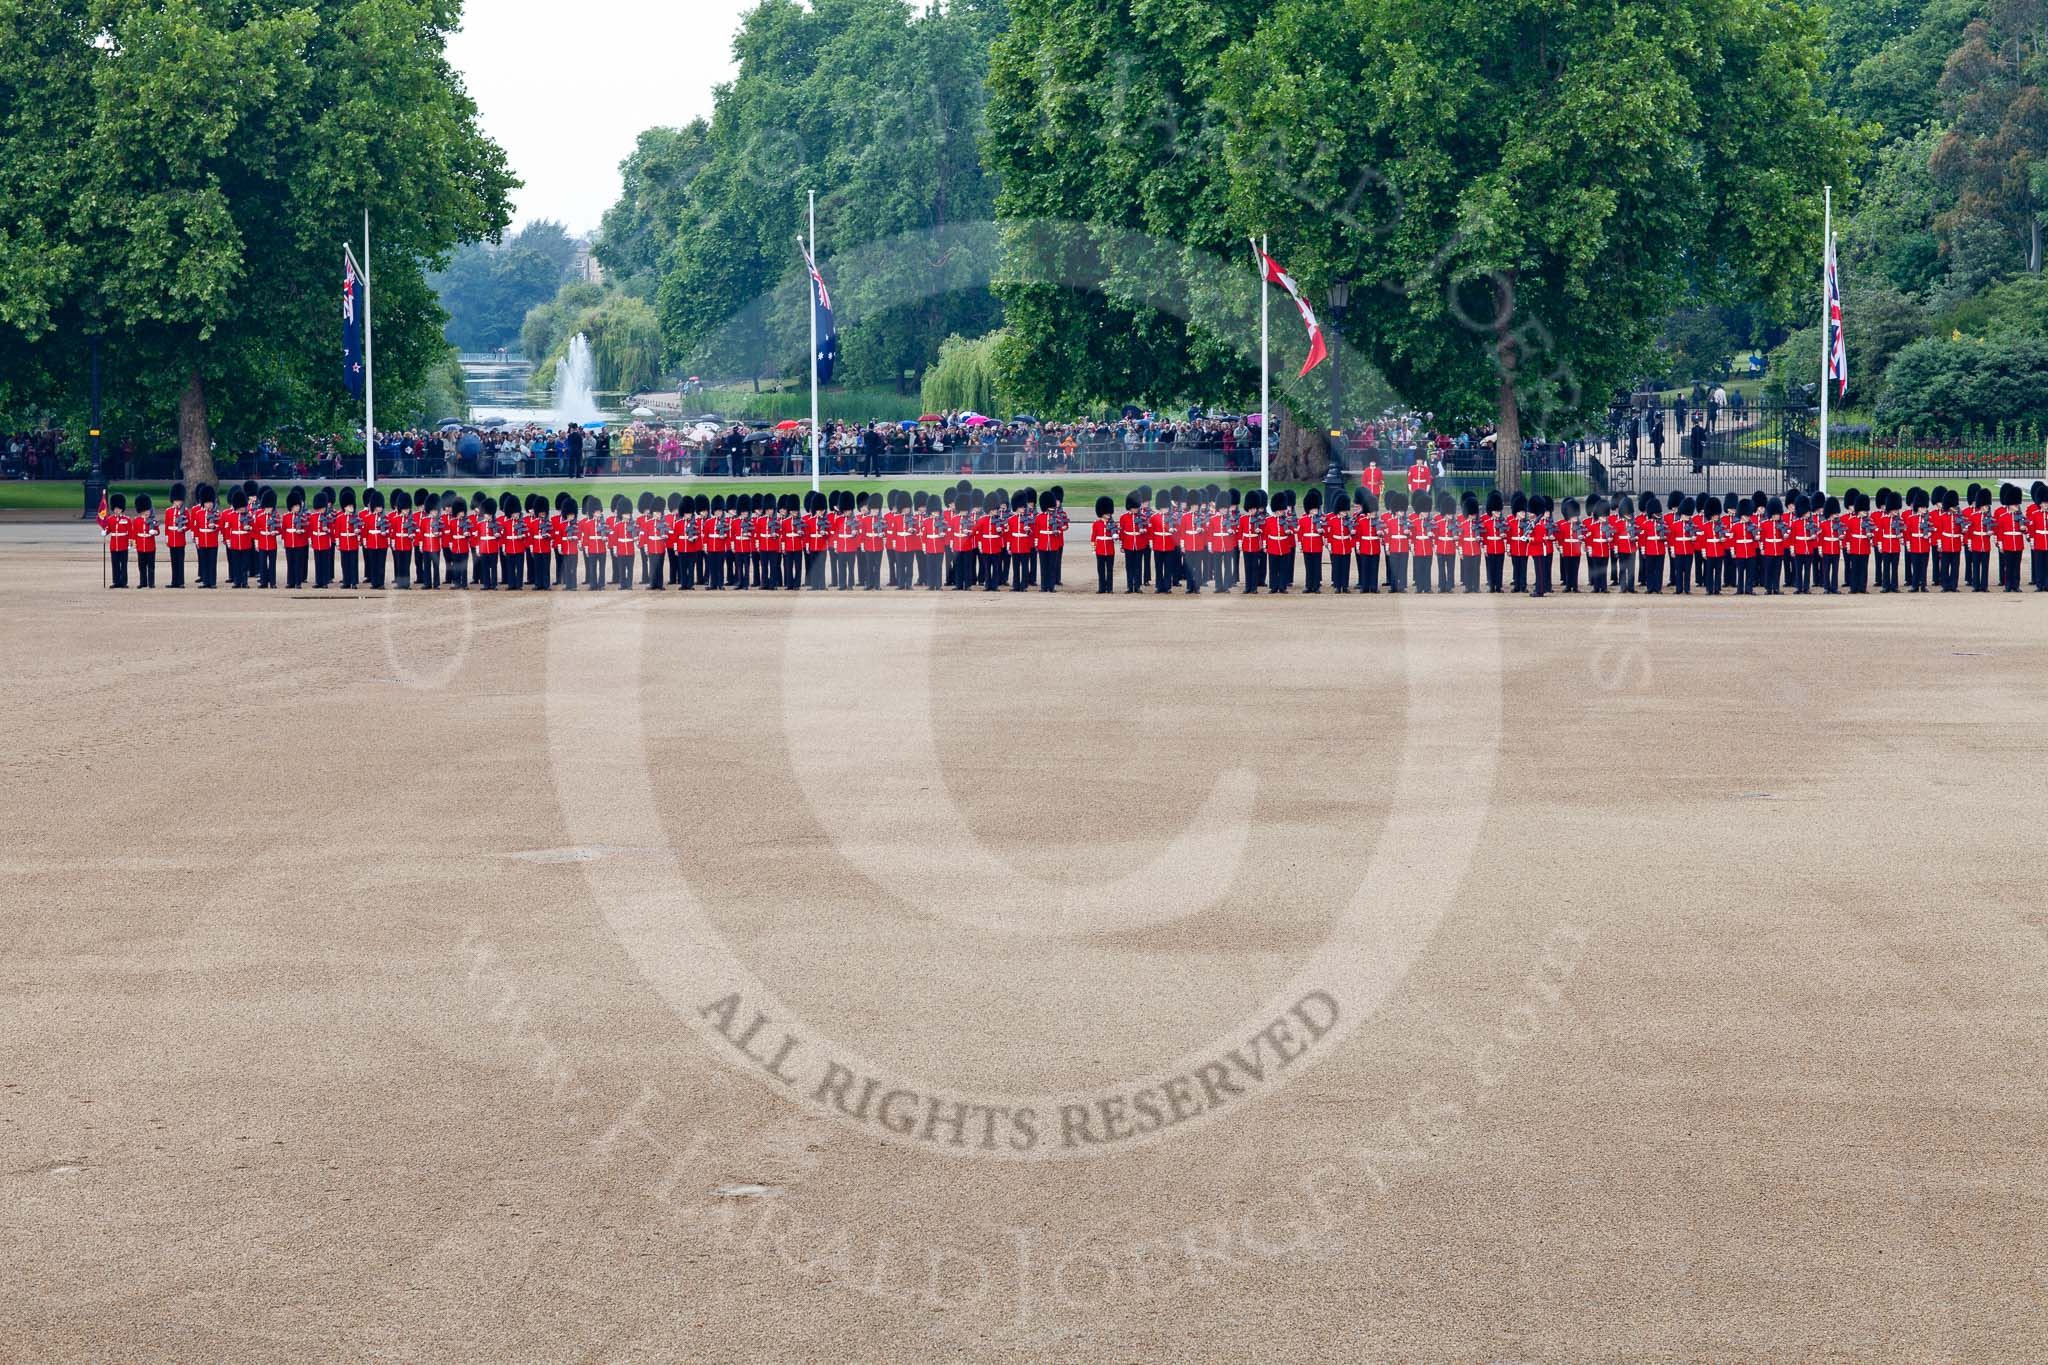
(1102, 536)
(295, 530)
(348, 540)
(511, 572)
(1948, 539)
(1309, 531)
(1742, 547)
(1420, 478)
(456, 542)
(1650, 543)
(376, 537)
(1828, 529)
(1193, 530)
(1493, 538)
(1569, 545)
(718, 544)
(1518, 541)
(234, 529)
(142, 529)
(1621, 527)
(1374, 482)
(1018, 539)
(1539, 537)
(1977, 538)
(1802, 544)
(647, 531)
(1773, 539)
(1050, 535)
(1421, 540)
(767, 542)
(590, 543)
(1163, 539)
(1131, 538)
(869, 523)
(1394, 541)
(1280, 534)
(1443, 528)
(2037, 536)
(1341, 529)
(1890, 535)
(955, 535)
(1856, 544)
(1471, 548)
(1919, 538)
(1598, 542)
(398, 530)
(483, 536)
(2010, 532)
(1223, 539)
(204, 521)
(174, 534)
(1251, 541)
(113, 520)
(619, 537)
(896, 539)
(564, 529)
(1684, 542)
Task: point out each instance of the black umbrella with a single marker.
(760, 438)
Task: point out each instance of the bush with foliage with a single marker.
(1937, 385)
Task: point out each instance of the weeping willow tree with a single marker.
(625, 344)
(964, 376)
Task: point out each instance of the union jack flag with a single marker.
(1838, 345)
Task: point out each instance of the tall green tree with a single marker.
(487, 290)
(878, 105)
(1995, 153)
(194, 177)
(654, 193)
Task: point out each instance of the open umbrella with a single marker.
(495, 422)
(907, 426)
(974, 420)
(451, 425)
(931, 417)
(643, 412)
(760, 438)
(788, 426)
(1025, 417)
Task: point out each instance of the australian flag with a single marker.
(821, 314)
(352, 303)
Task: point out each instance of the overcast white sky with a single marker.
(565, 87)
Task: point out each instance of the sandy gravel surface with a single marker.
(1568, 980)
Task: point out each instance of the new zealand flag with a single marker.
(352, 325)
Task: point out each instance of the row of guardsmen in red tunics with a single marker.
(961, 537)
(966, 537)
(1942, 539)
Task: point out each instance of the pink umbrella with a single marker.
(977, 420)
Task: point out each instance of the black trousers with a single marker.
(1916, 570)
(1420, 564)
(1397, 570)
(1521, 573)
(1710, 575)
(1625, 572)
(266, 568)
(537, 569)
(1105, 573)
(1541, 566)
(178, 565)
(1596, 573)
(1340, 572)
(1568, 572)
(1979, 567)
(351, 568)
(1495, 568)
(1048, 570)
(2039, 560)
(1653, 574)
(209, 565)
(2009, 570)
(1134, 570)
(1681, 574)
(1369, 573)
(1446, 571)
(373, 566)
(295, 567)
(565, 571)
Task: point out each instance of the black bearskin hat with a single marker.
(348, 496)
(1103, 506)
(294, 496)
(1314, 501)
(374, 498)
(178, 492)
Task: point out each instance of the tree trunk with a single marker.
(1300, 455)
(1507, 446)
(2034, 245)
(195, 442)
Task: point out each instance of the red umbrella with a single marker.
(787, 426)
(931, 417)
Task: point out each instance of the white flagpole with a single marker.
(369, 371)
(811, 286)
(1827, 326)
(1265, 374)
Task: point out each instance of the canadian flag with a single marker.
(1317, 351)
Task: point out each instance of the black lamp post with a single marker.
(1333, 479)
(96, 486)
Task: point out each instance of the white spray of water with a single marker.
(576, 384)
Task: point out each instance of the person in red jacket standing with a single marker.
(296, 535)
(1538, 538)
(1251, 541)
(869, 522)
(174, 534)
(1310, 535)
(1683, 542)
(1443, 531)
(203, 521)
(113, 523)
(1102, 537)
(1977, 538)
(1889, 533)
(1493, 539)
(1340, 528)
(1421, 539)
(376, 538)
(1470, 546)
(1919, 539)
(348, 540)
(142, 538)
(1598, 544)
(1569, 546)
(1518, 541)
(1420, 477)
(1050, 542)
(2010, 532)
(2037, 535)
(234, 529)
(1162, 537)
(1621, 526)
(1371, 545)
(1394, 545)
(398, 531)
(1374, 482)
